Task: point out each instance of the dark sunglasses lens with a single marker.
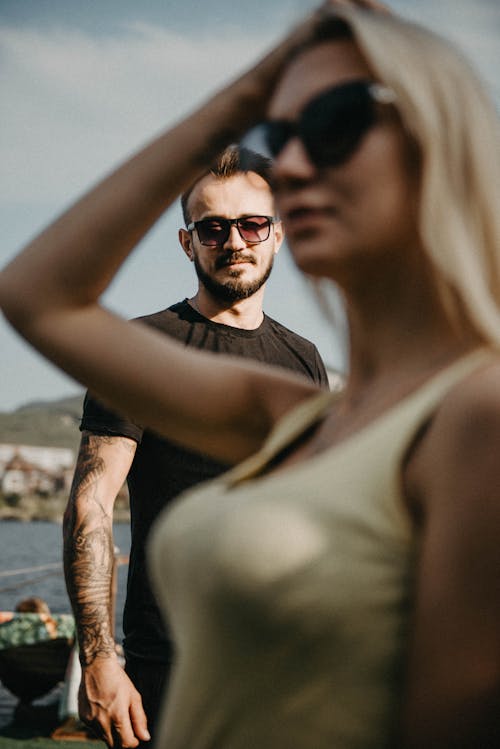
(333, 124)
(276, 133)
(213, 232)
(254, 228)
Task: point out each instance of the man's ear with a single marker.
(185, 240)
(279, 236)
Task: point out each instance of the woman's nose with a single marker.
(293, 162)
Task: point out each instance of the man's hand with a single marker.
(110, 705)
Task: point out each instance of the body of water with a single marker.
(37, 549)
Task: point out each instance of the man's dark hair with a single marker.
(233, 160)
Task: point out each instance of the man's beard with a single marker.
(231, 290)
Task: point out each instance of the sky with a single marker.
(83, 83)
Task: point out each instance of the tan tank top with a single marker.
(289, 594)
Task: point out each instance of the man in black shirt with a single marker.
(231, 237)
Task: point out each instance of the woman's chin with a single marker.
(313, 260)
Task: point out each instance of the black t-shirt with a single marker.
(161, 470)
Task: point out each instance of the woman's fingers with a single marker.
(331, 5)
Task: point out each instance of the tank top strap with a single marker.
(313, 409)
(289, 428)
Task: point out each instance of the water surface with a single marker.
(37, 548)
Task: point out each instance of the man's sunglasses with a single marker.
(214, 232)
(332, 124)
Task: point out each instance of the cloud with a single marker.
(74, 104)
(474, 25)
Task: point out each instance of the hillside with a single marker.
(45, 423)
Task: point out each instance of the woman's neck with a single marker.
(401, 331)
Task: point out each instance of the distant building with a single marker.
(26, 469)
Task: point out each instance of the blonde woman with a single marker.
(339, 587)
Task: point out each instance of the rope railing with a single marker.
(26, 570)
(30, 581)
(55, 568)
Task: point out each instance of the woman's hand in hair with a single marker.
(331, 5)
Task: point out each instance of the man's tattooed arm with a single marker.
(102, 466)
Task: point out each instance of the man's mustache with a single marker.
(227, 258)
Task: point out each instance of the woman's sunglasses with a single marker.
(214, 232)
(332, 124)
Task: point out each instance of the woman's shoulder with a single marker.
(473, 404)
(461, 446)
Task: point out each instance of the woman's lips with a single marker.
(304, 218)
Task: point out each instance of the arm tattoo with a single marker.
(89, 555)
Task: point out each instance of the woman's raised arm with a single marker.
(50, 291)
(70, 264)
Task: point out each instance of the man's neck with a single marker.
(245, 313)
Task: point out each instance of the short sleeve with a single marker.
(98, 419)
(321, 375)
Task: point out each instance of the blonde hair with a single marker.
(445, 109)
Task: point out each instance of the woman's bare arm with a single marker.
(70, 264)
(454, 670)
(51, 291)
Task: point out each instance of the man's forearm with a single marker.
(88, 564)
(89, 556)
